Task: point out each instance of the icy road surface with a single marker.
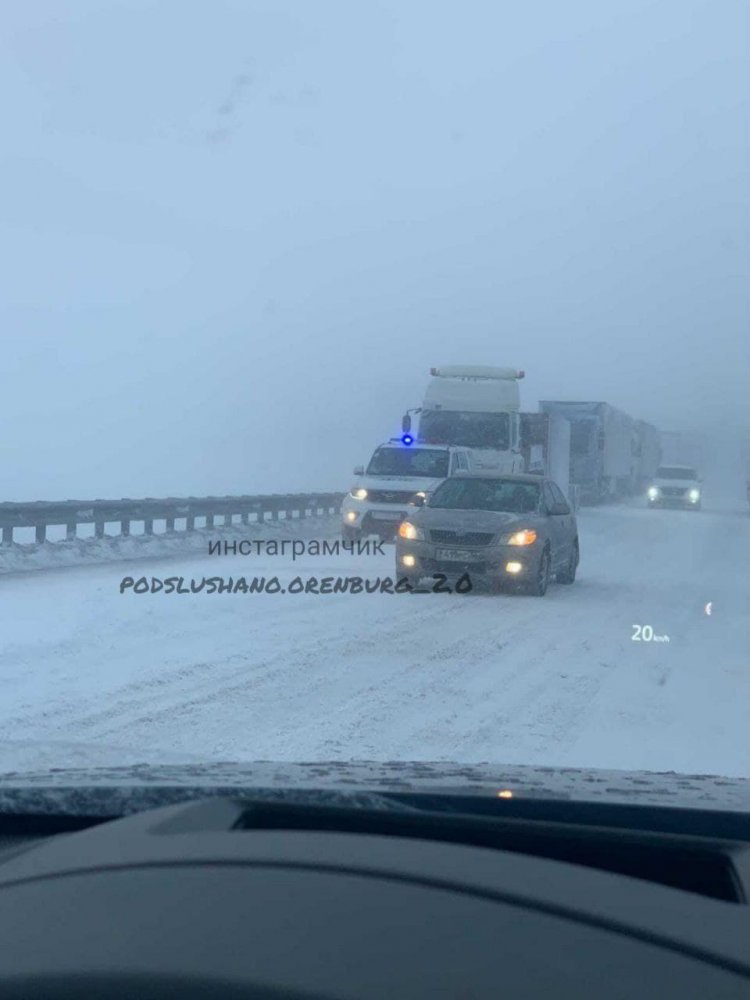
(90, 677)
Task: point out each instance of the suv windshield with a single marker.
(676, 472)
(487, 494)
(406, 461)
(472, 430)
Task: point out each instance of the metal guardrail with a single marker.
(71, 513)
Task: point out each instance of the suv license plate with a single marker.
(455, 555)
(385, 515)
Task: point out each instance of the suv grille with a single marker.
(462, 537)
(390, 496)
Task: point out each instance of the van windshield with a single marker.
(471, 430)
(409, 462)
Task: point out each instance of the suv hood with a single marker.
(414, 484)
(118, 790)
(682, 484)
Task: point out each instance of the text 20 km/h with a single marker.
(644, 633)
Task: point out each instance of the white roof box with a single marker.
(476, 371)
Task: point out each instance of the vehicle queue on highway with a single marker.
(482, 488)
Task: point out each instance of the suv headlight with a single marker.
(527, 536)
(358, 492)
(653, 492)
(694, 494)
(410, 531)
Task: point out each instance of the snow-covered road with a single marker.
(91, 676)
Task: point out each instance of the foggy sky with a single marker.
(236, 235)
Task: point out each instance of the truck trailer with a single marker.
(602, 443)
(545, 447)
(648, 453)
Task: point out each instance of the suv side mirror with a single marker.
(417, 500)
(359, 470)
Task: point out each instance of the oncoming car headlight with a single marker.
(410, 531)
(694, 494)
(527, 536)
(653, 492)
(359, 493)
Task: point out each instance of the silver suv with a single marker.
(676, 486)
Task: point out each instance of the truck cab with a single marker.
(676, 486)
(399, 474)
(475, 407)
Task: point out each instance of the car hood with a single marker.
(111, 790)
(473, 520)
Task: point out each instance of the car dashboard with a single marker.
(394, 895)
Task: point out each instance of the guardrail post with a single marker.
(41, 533)
(190, 523)
(99, 529)
(148, 527)
(209, 520)
(8, 535)
(227, 520)
(125, 527)
(70, 530)
(170, 524)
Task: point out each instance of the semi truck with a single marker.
(479, 408)
(476, 407)
(603, 444)
(591, 449)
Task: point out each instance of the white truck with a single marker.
(478, 408)
(475, 407)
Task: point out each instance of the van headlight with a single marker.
(653, 492)
(694, 495)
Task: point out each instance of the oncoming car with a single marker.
(675, 486)
(509, 530)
